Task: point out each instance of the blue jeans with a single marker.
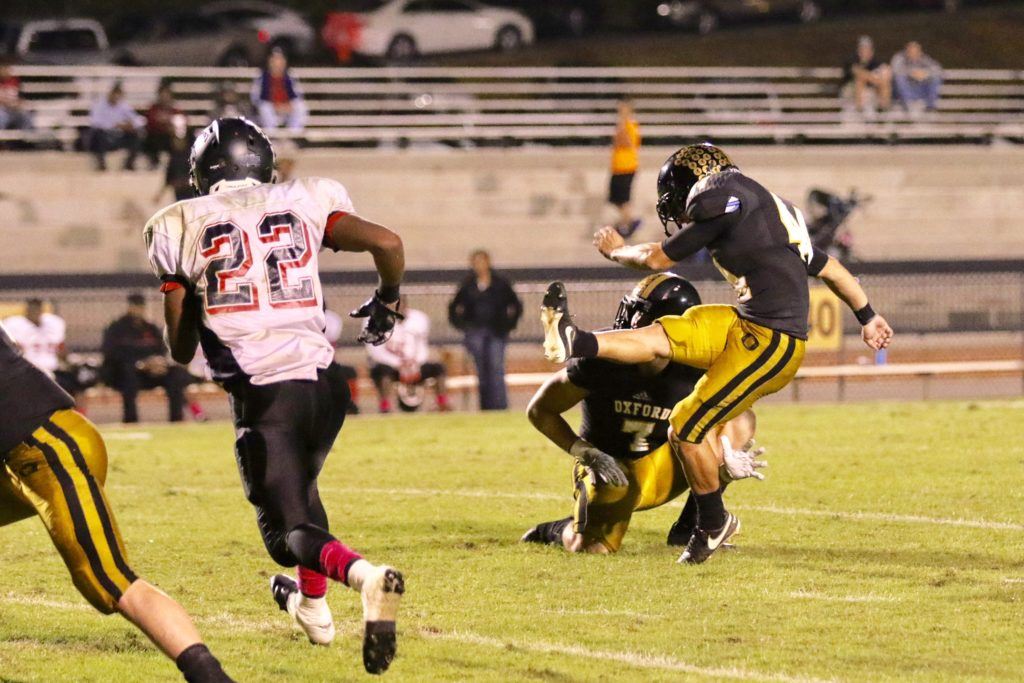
(488, 351)
(909, 90)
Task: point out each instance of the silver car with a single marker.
(279, 26)
(188, 39)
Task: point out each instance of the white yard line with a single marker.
(127, 436)
(637, 659)
(811, 595)
(882, 517)
(857, 516)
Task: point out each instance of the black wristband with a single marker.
(865, 314)
(388, 293)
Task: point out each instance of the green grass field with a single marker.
(886, 544)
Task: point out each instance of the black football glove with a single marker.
(380, 320)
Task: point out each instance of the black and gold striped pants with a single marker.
(58, 473)
(744, 361)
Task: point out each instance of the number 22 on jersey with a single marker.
(287, 280)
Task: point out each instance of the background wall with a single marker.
(531, 207)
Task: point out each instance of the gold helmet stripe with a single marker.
(647, 286)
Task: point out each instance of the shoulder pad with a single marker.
(712, 196)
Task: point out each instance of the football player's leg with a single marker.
(60, 471)
(756, 361)
(436, 373)
(601, 514)
(384, 378)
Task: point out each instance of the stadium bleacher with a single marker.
(512, 106)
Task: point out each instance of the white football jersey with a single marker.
(409, 345)
(40, 344)
(252, 257)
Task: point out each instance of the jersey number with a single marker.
(793, 219)
(230, 258)
(641, 431)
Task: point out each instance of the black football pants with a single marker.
(284, 432)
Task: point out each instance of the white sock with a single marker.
(357, 574)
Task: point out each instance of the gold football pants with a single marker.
(602, 513)
(58, 473)
(744, 361)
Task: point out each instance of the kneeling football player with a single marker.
(54, 465)
(624, 462)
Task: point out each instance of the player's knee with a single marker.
(99, 597)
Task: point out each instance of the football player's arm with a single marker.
(181, 315)
(348, 232)
(656, 256)
(875, 331)
(555, 397)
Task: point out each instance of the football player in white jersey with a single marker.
(239, 266)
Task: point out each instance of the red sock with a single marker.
(196, 409)
(312, 584)
(336, 558)
(385, 406)
(442, 400)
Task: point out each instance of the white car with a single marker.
(399, 30)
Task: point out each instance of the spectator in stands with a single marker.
(866, 72)
(114, 125)
(41, 337)
(486, 309)
(917, 77)
(160, 124)
(276, 95)
(227, 102)
(13, 114)
(625, 161)
(177, 173)
(404, 359)
(134, 358)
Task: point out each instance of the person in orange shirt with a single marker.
(625, 160)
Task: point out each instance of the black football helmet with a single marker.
(653, 297)
(680, 173)
(230, 148)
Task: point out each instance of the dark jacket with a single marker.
(127, 341)
(496, 308)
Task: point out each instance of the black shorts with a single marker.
(620, 189)
(378, 373)
(286, 429)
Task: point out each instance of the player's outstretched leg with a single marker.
(305, 601)
(559, 328)
(380, 586)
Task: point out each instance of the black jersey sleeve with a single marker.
(817, 262)
(695, 237)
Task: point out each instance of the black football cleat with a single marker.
(382, 590)
(547, 533)
(703, 543)
(559, 328)
(282, 587)
(681, 531)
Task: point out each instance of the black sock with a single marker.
(199, 665)
(585, 345)
(711, 510)
(551, 532)
(683, 528)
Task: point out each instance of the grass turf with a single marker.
(886, 544)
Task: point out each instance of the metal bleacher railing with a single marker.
(510, 106)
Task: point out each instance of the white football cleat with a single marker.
(382, 589)
(311, 615)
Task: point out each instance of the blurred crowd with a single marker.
(133, 356)
(911, 79)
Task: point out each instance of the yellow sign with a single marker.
(825, 324)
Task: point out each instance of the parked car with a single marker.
(705, 16)
(187, 39)
(56, 41)
(557, 17)
(280, 26)
(400, 30)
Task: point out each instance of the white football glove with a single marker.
(601, 465)
(741, 464)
